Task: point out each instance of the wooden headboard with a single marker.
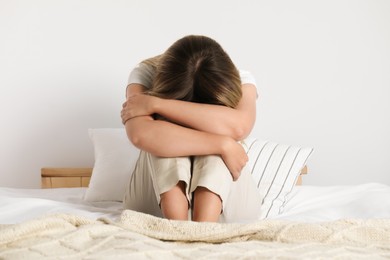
(80, 177)
(65, 177)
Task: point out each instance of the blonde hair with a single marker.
(196, 69)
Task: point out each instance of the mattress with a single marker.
(18, 205)
(305, 203)
(342, 222)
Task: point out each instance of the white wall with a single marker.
(323, 69)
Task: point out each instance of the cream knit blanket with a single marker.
(143, 236)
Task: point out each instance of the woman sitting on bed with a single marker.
(187, 111)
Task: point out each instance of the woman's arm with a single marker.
(236, 123)
(167, 139)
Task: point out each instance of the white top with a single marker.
(143, 74)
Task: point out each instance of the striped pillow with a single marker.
(275, 169)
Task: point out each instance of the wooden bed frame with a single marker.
(65, 177)
(80, 177)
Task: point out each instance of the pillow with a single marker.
(115, 159)
(275, 169)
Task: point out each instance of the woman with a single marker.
(187, 110)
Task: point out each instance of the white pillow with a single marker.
(275, 169)
(115, 159)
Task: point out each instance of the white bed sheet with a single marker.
(305, 203)
(18, 205)
(327, 203)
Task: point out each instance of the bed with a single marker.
(59, 221)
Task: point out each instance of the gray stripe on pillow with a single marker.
(285, 179)
(258, 155)
(296, 178)
(276, 174)
(250, 147)
(266, 165)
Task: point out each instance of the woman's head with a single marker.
(197, 69)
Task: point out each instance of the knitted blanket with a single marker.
(143, 236)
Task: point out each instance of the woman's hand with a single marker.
(138, 105)
(234, 156)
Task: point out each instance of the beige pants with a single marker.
(153, 176)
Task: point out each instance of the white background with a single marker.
(323, 72)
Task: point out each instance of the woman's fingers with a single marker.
(235, 158)
(239, 166)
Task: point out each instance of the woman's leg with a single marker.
(210, 185)
(140, 194)
(174, 203)
(207, 205)
(244, 201)
(158, 181)
(237, 201)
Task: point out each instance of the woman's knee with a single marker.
(210, 165)
(178, 190)
(207, 205)
(174, 203)
(211, 173)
